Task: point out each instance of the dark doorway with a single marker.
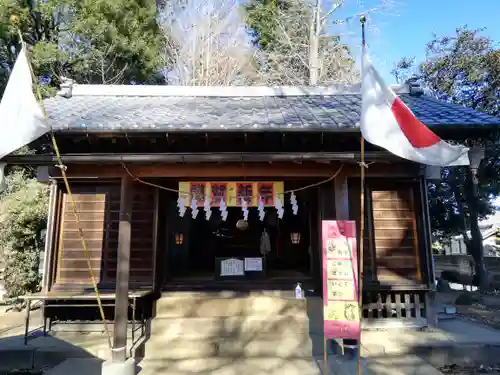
(205, 240)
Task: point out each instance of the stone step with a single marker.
(264, 365)
(235, 326)
(217, 305)
(299, 346)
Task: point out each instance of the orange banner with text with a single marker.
(232, 192)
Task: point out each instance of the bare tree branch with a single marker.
(305, 52)
(334, 8)
(206, 43)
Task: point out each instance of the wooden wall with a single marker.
(395, 253)
(98, 207)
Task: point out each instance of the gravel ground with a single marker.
(487, 313)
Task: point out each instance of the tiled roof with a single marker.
(249, 110)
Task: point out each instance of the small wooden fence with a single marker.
(387, 309)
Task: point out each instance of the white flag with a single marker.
(21, 118)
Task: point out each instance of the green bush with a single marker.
(23, 215)
(467, 299)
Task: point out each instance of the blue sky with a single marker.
(405, 28)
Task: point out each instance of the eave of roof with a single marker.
(128, 108)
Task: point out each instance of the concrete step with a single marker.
(231, 304)
(235, 326)
(303, 346)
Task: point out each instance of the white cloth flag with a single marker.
(21, 118)
(388, 123)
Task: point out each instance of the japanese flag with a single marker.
(388, 123)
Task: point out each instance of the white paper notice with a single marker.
(253, 264)
(231, 267)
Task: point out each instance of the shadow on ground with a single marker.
(272, 336)
(47, 354)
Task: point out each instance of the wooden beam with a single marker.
(205, 170)
(385, 170)
(235, 170)
(123, 271)
(196, 157)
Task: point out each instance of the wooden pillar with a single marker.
(156, 221)
(122, 272)
(341, 197)
(49, 237)
(316, 241)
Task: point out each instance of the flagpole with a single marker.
(15, 22)
(362, 166)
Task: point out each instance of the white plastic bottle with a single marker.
(299, 293)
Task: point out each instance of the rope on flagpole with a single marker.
(362, 166)
(15, 22)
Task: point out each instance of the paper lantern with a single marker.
(295, 238)
(179, 238)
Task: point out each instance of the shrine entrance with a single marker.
(234, 244)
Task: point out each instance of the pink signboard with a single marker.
(340, 275)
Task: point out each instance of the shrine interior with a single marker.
(193, 247)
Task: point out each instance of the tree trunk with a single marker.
(475, 245)
(314, 32)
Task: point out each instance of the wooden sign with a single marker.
(232, 192)
(340, 287)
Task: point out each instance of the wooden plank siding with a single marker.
(98, 206)
(142, 239)
(92, 203)
(392, 250)
(395, 234)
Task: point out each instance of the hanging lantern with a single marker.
(179, 238)
(242, 224)
(295, 238)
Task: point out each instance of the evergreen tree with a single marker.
(463, 68)
(90, 41)
(101, 41)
